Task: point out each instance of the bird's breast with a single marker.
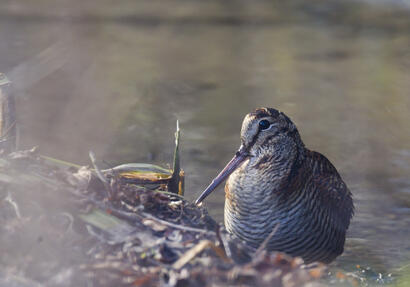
(249, 205)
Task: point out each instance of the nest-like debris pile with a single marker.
(64, 227)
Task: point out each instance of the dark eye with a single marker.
(264, 124)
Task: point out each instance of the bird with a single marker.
(281, 195)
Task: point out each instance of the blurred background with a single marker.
(114, 76)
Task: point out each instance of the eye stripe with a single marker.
(271, 126)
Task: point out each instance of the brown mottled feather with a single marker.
(330, 185)
(284, 184)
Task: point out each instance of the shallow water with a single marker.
(114, 79)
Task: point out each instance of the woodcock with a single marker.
(278, 188)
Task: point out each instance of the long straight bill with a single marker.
(239, 157)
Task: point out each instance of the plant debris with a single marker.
(58, 228)
(66, 225)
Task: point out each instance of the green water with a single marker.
(114, 77)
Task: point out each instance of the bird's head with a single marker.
(265, 132)
(268, 130)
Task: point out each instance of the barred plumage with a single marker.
(275, 182)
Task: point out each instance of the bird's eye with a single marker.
(264, 124)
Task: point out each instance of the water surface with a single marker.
(114, 78)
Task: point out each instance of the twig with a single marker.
(135, 216)
(8, 130)
(177, 226)
(194, 251)
(59, 161)
(100, 175)
(10, 200)
(266, 241)
(168, 193)
(224, 242)
(191, 254)
(71, 220)
(174, 183)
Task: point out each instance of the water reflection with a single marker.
(124, 74)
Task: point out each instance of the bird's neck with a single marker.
(277, 167)
(267, 184)
(265, 177)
